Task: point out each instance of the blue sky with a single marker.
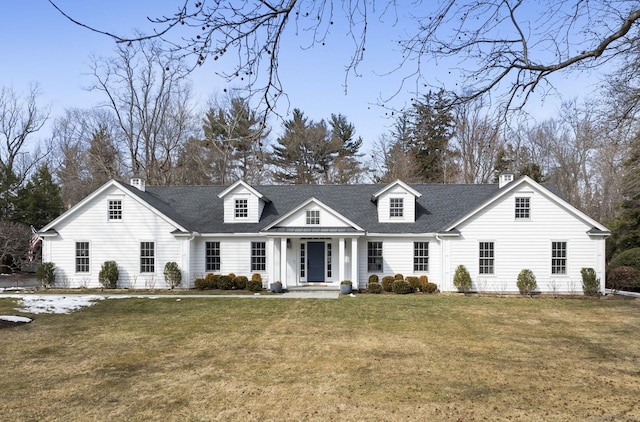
(40, 46)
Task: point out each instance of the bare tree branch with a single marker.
(506, 47)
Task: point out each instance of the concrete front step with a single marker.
(314, 288)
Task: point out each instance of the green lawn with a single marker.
(373, 357)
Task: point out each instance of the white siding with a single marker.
(299, 218)
(525, 244)
(113, 241)
(409, 200)
(397, 256)
(235, 256)
(253, 203)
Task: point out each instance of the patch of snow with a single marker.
(53, 304)
(14, 318)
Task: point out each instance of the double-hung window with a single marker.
(420, 256)
(558, 257)
(258, 256)
(396, 207)
(212, 256)
(523, 210)
(82, 257)
(374, 257)
(147, 257)
(115, 209)
(486, 264)
(242, 208)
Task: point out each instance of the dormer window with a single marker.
(522, 209)
(313, 217)
(242, 208)
(115, 209)
(396, 207)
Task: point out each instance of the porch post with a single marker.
(355, 277)
(341, 259)
(283, 262)
(271, 262)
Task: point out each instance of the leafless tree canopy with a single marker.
(506, 46)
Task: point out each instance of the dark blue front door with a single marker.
(315, 262)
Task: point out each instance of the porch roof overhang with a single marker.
(300, 231)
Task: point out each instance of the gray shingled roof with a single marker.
(198, 208)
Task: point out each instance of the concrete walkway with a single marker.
(621, 293)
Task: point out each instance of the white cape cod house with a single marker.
(309, 234)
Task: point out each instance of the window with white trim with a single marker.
(374, 257)
(486, 255)
(147, 257)
(523, 210)
(558, 257)
(258, 256)
(242, 208)
(420, 256)
(212, 256)
(396, 207)
(313, 217)
(82, 257)
(115, 209)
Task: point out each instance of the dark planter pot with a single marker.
(345, 289)
(275, 287)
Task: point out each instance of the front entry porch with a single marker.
(313, 262)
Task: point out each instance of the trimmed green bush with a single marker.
(428, 288)
(527, 282)
(225, 282)
(462, 279)
(387, 283)
(414, 282)
(201, 284)
(373, 278)
(623, 278)
(240, 282)
(172, 274)
(109, 275)
(46, 274)
(628, 258)
(590, 284)
(254, 285)
(402, 287)
(212, 281)
(374, 287)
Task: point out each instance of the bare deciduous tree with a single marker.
(477, 137)
(513, 45)
(146, 91)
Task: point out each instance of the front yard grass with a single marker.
(372, 357)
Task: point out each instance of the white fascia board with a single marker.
(99, 191)
(403, 235)
(321, 205)
(244, 185)
(535, 187)
(401, 184)
(231, 235)
(80, 204)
